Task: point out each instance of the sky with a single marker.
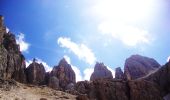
(87, 31)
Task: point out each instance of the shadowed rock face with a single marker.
(119, 74)
(144, 90)
(139, 66)
(103, 89)
(151, 87)
(12, 62)
(35, 73)
(101, 71)
(162, 79)
(64, 73)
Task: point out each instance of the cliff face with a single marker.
(161, 78)
(104, 89)
(148, 86)
(101, 72)
(138, 66)
(12, 62)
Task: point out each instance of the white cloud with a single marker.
(21, 41)
(80, 50)
(129, 35)
(7, 29)
(78, 73)
(46, 66)
(76, 69)
(87, 73)
(125, 20)
(168, 59)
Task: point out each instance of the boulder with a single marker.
(138, 66)
(35, 73)
(119, 74)
(54, 82)
(64, 73)
(101, 72)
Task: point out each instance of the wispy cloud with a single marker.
(80, 50)
(129, 35)
(46, 66)
(24, 46)
(87, 73)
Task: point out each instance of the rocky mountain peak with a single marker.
(119, 73)
(100, 72)
(137, 66)
(100, 66)
(63, 63)
(35, 73)
(64, 73)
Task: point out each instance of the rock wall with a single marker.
(12, 62)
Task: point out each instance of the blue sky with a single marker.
(86, 31)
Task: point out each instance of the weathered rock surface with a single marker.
(161, 78)
(54, 82)
(35, 73)
(144, 90)
(101, 72)
(139, 66)
(12, 62)
(64, 73)
(119, 74)
(103, 89)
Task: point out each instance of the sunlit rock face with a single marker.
(35, 73)
(101, 72)
(12, 62)
(138, 66)
(64, 73)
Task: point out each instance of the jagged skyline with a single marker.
(83, 32)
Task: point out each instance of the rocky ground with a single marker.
(12, 90)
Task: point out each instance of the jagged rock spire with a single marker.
(64, 73)
(101, 72)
